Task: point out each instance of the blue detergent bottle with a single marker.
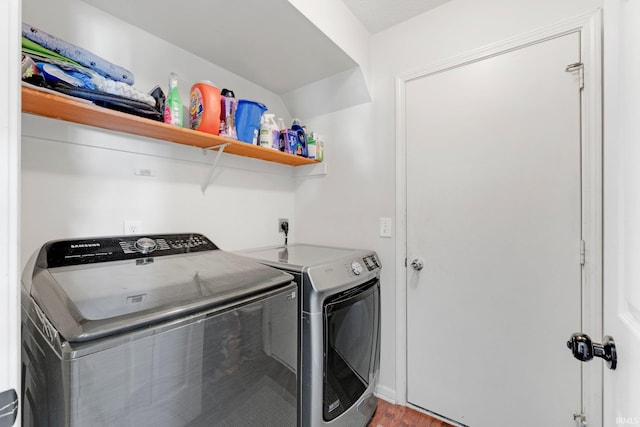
(301, 139)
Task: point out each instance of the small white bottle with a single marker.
(269, 132)
(311, 145)
(319, 147)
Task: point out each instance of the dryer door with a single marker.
(351, 332)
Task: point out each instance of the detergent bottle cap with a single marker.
(228, 93)
(173, 80)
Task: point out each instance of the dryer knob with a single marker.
(356, 267)
(145, 245)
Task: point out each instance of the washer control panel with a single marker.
(102, 249)
(358, 266)
(371, 262)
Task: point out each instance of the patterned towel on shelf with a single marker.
(78, 54)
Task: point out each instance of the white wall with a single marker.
(79, 181)
(344, 207)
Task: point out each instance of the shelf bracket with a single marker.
(220, 148)
(311, 170)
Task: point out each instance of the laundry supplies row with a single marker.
(214, 111)
(295, 140)
(218, 112)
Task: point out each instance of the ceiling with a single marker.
(274, 46)
(378, 15)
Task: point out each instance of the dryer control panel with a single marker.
(62, 253)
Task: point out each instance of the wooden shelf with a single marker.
(78, 111)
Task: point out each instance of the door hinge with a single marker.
(583, 252)
(580, 419)
(579, 67)
(405, 262)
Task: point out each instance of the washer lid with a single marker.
(89, 300)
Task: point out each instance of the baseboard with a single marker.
(386, 393)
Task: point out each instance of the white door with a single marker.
(494, 212)
(622, 211)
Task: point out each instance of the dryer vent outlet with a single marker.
(283, 225)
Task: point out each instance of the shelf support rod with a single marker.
(220, 148)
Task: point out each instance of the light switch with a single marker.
(385, 227)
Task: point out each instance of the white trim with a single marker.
(573, 25)
(401, 244)
(592, 210)
(10, 197)
(386, 393)
(589, 26)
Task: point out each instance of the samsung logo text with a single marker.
(627, 421)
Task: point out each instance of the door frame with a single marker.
(590, 28)
(10, 117)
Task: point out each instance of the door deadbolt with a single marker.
(584, 349)
(417, 264)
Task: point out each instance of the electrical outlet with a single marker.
(144, 172)
(132, 226)
(280, 222)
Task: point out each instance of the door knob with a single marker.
(584, 349)
(417, 264)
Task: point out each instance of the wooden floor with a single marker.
(389, 415)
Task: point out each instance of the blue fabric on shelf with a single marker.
(92, 80)
(78, 54)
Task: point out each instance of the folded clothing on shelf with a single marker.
(55, 69)
(78, 54)
(113, 102)
(32, 48)
(75, 84)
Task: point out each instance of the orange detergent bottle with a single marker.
(204, 107)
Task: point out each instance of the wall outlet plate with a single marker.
(132, 226)
(280, 222)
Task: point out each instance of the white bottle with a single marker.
(269, 132)
(312, 145)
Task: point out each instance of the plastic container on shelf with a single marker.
(311, 145)
(269, 132)
(204, 111)
(300, 139)
(173, 104)
(282, 137)
(228, 106)
(248, 115)
(319, 147)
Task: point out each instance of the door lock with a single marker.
(417, 264)
(580, 419)
(584, 350)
